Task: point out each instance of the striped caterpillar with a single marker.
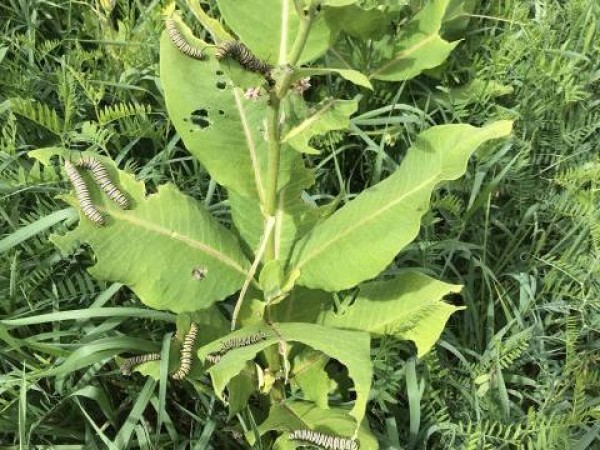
(243, 341)
(185, 360)
(130, 363)
(213, 358)
(236, 342)
(179, 40)
(246, 59)
(325, 441)
(102, 179)
(83, 194)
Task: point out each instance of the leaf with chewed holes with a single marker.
(298, 415)
(332, 114)
(409, 306)
(350, 348)
(157, 245)
(219, 122)
(308, 373)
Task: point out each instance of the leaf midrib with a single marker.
(367, 219)
(307, 364)
(298, 129)
(404, 53)
(250, 145)
(386, 320)
(151, 227)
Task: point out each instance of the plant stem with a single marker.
(274, 128)
(274, 136)
(277, 393)
(258, 256)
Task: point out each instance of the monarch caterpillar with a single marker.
(179, 41)
(325, 441)
(213, 358)
(243, 55)
(243, 341)
(130, 363)
(237, 342)
(83, 194)
(185, 360)
(102, 179)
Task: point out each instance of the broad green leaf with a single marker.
(359, 240)
(329, 115)
(351, 348)
(293, 216)
(475, 91)
(302, 305)
(408, 307)
(269, 28)
(211, 325)
(354, 76)
(457, 16)
(295, 415)
(240, 389)
(308, 372)
(359, 22)
(271, 279)
(418, 47)
(155, 246)
(218, 125)
(252, 311)
(213, 26)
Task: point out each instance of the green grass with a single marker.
(519, 368)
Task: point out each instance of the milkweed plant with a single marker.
(271, 306)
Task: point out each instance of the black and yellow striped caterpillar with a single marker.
(246, 59)
(83, 194)
(236, 342)
(242, 341)
(102, 179)
(326, 441)
(180, 42)
(213, 358)
(185, 360)
(131, 363)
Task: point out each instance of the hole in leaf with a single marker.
(221, 85)
(219, 73)
(200, 118)
(199, 273)
(221, 112)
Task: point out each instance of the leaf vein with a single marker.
(226, 260)
(251, 146)
(404, 53)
